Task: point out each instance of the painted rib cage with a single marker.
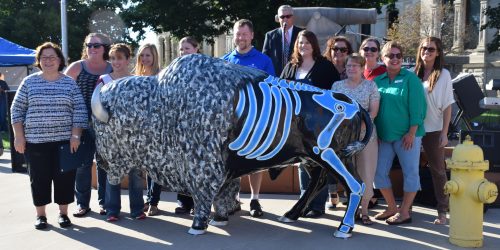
(260, 129)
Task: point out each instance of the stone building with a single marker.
(468, 53)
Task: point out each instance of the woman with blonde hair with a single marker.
(147, 64)
(439, 95)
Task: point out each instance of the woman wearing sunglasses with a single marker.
(86, 72)
(400, 127)
(337, 50)
(369, 49)
(439, 94)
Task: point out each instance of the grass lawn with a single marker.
(5, 139)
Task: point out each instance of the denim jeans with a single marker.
(408, 159)
(83, 179)
(154, 191)
(318, 203)
(135, 192)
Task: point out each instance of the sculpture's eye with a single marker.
(339, 108)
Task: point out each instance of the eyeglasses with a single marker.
(342, 50)
(352, 66)
(430, 49)
(391, 56)
(94, 45)
(48, 58)
(286, 16)
(372, 49)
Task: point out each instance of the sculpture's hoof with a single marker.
(196, 231)
(218, 223)
(342, 235)
(285, 219)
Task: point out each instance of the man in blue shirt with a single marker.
(245, 54)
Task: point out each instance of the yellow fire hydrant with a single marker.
(468, 190)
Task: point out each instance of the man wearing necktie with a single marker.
(278, 43)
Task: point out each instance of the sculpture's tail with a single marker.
(357, 146)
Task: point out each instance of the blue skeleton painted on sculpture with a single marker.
(204, 122)
(280, 89)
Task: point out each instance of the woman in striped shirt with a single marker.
(48, 111)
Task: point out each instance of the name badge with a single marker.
(398, 81)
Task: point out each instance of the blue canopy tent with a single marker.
(15, 61)
(12, 54)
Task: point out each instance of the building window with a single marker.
(472, 19)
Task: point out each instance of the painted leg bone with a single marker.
(357, 189)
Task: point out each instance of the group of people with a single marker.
(409, 108)
(52, 108)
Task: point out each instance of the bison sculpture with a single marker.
(202, 123)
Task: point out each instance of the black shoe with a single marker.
(313, 214)
(64, 221)
(255, 209)
(41, 222)
(182, 210)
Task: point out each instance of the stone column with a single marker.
(459, 26)
(481, 45)
(435, 20)
(168, 50)
(161, 50)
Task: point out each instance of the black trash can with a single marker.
(17, 160)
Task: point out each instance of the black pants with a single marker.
(43, 169)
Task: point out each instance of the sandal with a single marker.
(365, 220)
(384, 215)
(441, 219)
(102, 211)
(397, 219)
(146, 207)
(80, 212)
(153, 210)
(334, 201)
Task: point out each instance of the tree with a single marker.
(493, 23)
(30, 23)
(209, 18)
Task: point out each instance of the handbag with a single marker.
(70, 161)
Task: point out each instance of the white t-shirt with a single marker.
(437, 101)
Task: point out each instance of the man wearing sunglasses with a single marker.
(278, 43)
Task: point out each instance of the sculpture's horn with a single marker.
(97, 109)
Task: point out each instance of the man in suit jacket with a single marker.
(274, 42)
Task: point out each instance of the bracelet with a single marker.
(76, 137)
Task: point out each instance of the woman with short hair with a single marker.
(47, 112)
(400, 127)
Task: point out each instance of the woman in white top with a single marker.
(439, 96)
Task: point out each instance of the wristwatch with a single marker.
(76, 137)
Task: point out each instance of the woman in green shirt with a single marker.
(400, 129)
